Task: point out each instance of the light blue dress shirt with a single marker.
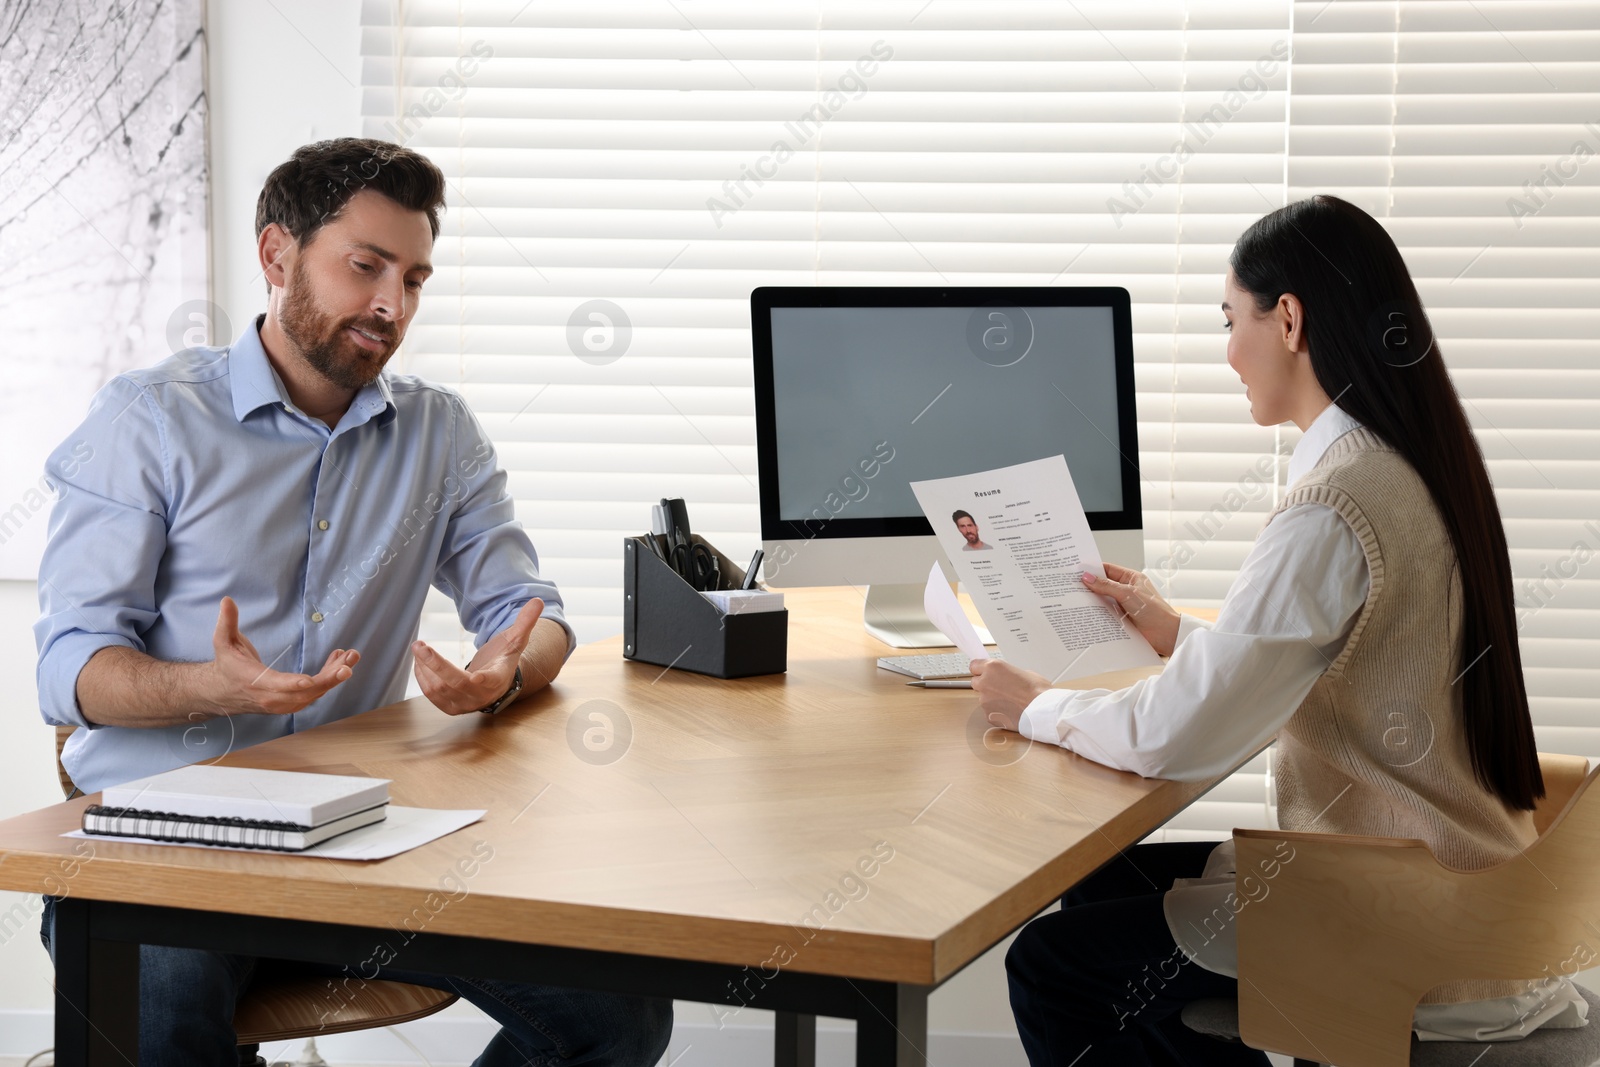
(197, 478)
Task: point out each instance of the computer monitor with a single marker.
(861, 391)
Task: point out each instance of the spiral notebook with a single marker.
(236, 833)
(239, 807)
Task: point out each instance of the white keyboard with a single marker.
(927, 668)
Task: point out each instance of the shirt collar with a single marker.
(255, 384)
(1325, 429)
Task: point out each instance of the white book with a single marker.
(203, 791)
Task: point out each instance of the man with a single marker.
(288, 489)
(969, 530)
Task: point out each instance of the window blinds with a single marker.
(667, 157)
(623, 173)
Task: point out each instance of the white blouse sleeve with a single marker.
(1230, 686)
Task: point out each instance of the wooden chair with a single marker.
(286, 1007)
(1352, 931)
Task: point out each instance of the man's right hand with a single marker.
(245, 685)
(1156, 619)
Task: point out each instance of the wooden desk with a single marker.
(825, 842)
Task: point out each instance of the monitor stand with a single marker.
(894, 615)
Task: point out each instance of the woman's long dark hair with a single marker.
(1374, 353)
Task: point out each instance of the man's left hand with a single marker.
(457, 690)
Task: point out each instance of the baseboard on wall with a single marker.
(22, 1033)
(446, 1042)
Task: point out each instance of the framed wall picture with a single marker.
(103, 224)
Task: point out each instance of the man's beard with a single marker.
(323, 341)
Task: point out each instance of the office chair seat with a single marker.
(1544, 1047)
(288, 1006)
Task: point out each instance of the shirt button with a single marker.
(322, 524)
(316, 616)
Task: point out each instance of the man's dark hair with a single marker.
(312, 188)
(958, 516)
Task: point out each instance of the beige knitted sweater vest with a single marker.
(1378, 747)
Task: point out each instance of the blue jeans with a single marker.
(186, 1000)
(1102, 982)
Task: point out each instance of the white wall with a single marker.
(27, 781)
(281, 75)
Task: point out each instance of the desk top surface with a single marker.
(830, 820)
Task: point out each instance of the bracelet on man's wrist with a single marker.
(508, 697)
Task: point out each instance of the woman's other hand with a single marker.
(1004, 690)
(1156, 619)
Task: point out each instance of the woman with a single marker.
(1371, 628)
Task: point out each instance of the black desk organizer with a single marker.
(666, 621)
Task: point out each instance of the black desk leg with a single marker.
(97, 992)
(796, 1040)
(892, 1027)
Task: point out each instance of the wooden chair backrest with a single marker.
(1340, 936)
(1562, 777)
(68, 790)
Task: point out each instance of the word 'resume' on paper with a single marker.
(1020, 542)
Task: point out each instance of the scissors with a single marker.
(695, 562)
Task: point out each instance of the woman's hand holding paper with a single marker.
(1136, 593)
(1005, 690)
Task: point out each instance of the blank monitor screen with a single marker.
(968, 381)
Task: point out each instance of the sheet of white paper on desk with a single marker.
(945, 611)
(403, 830)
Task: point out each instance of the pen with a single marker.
(944, 683)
